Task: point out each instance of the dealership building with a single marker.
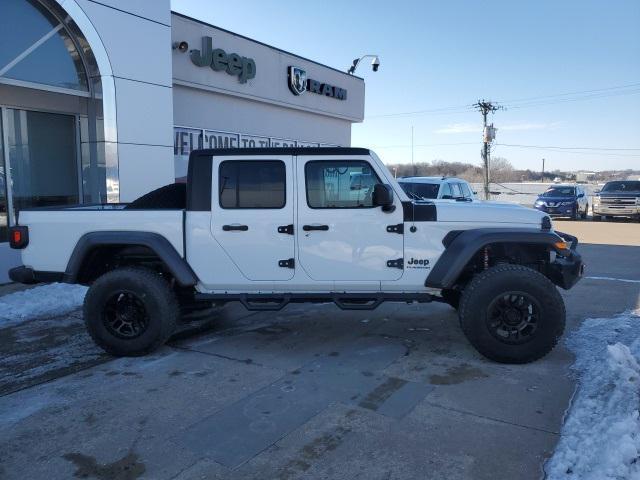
(102, 101)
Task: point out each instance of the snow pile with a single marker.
(43, 301)
(601, 436)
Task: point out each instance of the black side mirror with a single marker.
(580, 195)
(382, 196)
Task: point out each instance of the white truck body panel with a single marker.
(351, 255)
(54, 233)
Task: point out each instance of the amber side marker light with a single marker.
(18, 237)
(561, 245)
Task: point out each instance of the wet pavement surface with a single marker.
(307, 392)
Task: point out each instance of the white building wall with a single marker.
(137, 35)
(215, 111)
(263, 106)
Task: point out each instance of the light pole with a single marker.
(375, 63)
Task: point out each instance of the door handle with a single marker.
(308, 228)
(239, 228)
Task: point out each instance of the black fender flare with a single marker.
(177, 265)
(462, 245)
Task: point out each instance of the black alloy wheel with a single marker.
(124, 315)
(513, 317)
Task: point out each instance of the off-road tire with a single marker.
(451, 297)
(490, 286)
(151, 291)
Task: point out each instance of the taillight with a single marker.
(18, 237)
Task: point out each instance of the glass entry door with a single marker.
(43, 159)
(4, 207)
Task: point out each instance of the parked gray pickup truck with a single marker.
(618, 199)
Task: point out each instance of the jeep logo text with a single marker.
(242, 67)
(417, 262)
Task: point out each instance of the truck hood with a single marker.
(618, 194)
(488, 212)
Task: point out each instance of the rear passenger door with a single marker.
(252, 215)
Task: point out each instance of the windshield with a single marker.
(560, 192)
(627, 186)
(424, 190)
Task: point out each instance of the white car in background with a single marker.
(442, 188)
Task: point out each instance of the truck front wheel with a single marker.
(512, 314)
(130, 311)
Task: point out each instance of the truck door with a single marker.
(252, 214)
(341, 235)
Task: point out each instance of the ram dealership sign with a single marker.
(216, 58)
(299, 83)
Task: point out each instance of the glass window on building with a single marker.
(36, 48)
(42, 156)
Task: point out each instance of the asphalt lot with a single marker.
(308, 392)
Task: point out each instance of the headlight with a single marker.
(539, 203)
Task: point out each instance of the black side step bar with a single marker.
(344, 301)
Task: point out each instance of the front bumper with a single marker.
(622, 211)
(567, 269)
(562, 211)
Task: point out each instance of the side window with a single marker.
(465, 190)
(252, 184)
(445, 191)
(339, 184)
(455, 188)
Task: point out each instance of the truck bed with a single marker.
(54, 232)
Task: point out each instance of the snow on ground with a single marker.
(601, 435)
(42, 301)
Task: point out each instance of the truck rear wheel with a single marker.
(130, 311)
(512, 314)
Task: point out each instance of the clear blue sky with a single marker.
(438, 54)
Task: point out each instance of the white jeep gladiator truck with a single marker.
(271, 226)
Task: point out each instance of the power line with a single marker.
(510, 145)
(427, 145)
(577, 99)
(552, 99)
(573, 152)
(580, 92)
(564, 148)
(434, 111)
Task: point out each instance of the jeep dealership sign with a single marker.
(216, 58)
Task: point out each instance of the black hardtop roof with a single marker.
(228, 152)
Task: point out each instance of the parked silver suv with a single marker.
(444, 188)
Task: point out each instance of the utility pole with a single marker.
(412, 164)
(542, 171)
(488, 131)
